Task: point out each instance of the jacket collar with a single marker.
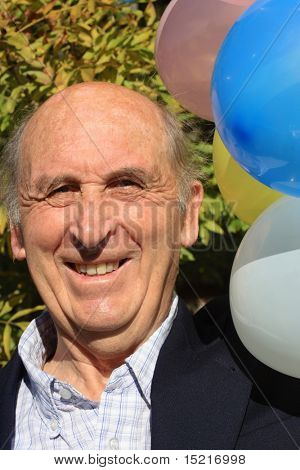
(10, 380)
(199, 394)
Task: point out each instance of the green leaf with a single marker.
(3, 220)
(18, 40)
(204, 235)
(88, 55)
(212, 226)
(100, 68)
(41, 77)
(84, 25)
(46, 8)
(85, 39)
(75, 12)
(5, 307)
(9, 106)
(137, 70)
(16, 300)
(115, 42)
(236, 226)
(141, 37)
(186, 255)
(22, 324)
(7, 340)
(87, 74)
(30, 57)
(27, 54)
(204, 147)
(104, 58)
(17, 92)
(54, 15)
(62, 78)
(26, 311)
(150, 14)
(91, 6)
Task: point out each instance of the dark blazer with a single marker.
(208, 392)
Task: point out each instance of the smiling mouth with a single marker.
(100, 269)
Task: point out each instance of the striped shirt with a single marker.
(52, 414)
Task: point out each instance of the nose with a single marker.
(90, 226)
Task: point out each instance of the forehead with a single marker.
(93, 136)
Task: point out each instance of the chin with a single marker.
(104, 316)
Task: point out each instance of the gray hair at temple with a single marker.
(181, 158)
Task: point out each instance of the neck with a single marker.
(74, 365)
(88, 364)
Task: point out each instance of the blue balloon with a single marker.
(256, 93)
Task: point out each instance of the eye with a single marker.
(63, 189)
(124, 182)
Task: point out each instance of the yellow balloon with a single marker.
(249, 197)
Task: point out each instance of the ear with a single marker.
(190, 228)
(17, 243)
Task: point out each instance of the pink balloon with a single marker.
(189, 36)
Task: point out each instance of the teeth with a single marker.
(81, 268)
(99, 269)
(109, 267)
(91, 270)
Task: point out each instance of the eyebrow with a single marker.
(46, 182)
(133, 172)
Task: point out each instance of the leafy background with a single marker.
(46, 46)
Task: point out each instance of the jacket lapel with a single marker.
(10, 379)
(199, 395)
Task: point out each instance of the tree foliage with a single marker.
(48, 45)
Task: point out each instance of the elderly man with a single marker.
(105, 198)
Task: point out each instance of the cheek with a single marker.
(154, 226)
(44, 230)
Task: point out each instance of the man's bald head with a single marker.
(86, 105)
(84, 101)
(85, 108)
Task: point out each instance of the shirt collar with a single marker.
(38, 343)
(143, 360)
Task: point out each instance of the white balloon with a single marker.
(265, 287)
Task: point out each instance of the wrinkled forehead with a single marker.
(111, 125)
